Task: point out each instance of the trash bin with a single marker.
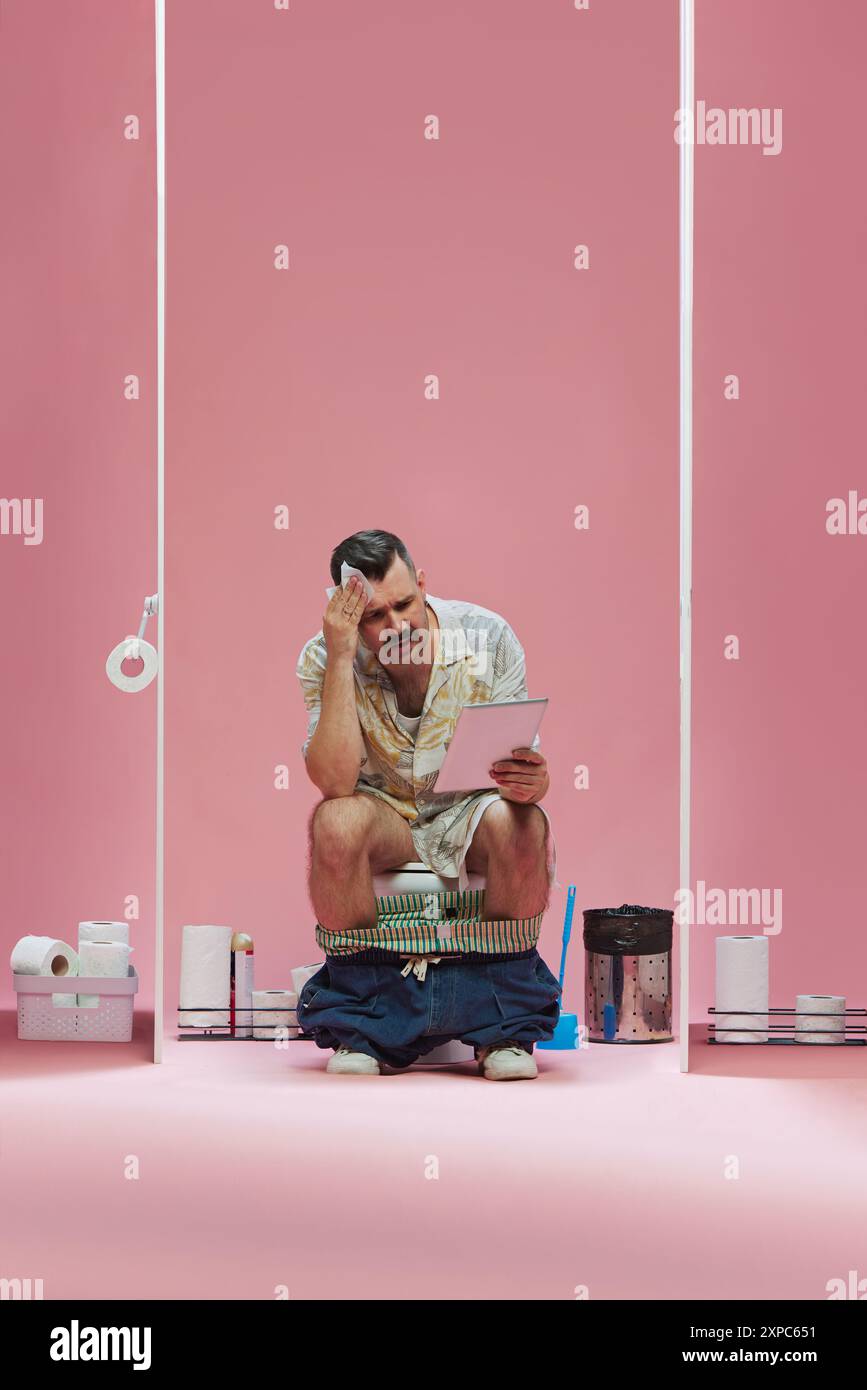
(627, 979)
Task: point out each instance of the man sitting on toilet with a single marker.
(384, 682)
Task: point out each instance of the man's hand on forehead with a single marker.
(342, 616)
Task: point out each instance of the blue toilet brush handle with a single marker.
(567, 931)
(609, 1012)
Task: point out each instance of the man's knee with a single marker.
(513, 829)
(340, 827)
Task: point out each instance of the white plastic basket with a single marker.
(40, 1020)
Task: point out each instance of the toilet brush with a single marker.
(565, 1037)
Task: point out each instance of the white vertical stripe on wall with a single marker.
(687, 96)
(159, 897)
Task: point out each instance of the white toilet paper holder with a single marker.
(135, 648)
(151, 608)
(846, 1036)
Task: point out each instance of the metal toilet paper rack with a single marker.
(846, 1035)
(224, 1032)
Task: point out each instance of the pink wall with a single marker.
(557, 388)
(305, 388)
(780, 300)
(77, 810)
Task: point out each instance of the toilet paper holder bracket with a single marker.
(845, 1035)
(219, 1032)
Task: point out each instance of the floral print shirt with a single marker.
(479, 659)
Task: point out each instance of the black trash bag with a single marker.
(628, 930)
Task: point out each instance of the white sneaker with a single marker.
(506, 1062)
(359, 1063)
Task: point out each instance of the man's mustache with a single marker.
(412, 645)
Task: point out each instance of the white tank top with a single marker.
(409, 724)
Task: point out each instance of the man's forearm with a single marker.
(336, 749)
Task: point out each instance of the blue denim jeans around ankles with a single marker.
(364, 1002)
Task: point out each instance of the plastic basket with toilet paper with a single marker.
(41, 1019)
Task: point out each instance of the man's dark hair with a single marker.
(372, 552)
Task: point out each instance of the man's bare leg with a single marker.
(351, 838)
(509, 846)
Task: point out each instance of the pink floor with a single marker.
(256, 1169)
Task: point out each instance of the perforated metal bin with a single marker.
(627, 977)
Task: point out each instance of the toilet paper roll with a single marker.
(103, 931)
(43, 955)
(132, 648)
(302, 973)
(206, 976)
(820, 1011)
(346, 572)
(274, 1008)
(741, 983)
(107, 959)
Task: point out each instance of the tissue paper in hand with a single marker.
(45, 955)
(274, 1008)
(346, 572)
(206, 976)
(741, 983)
(107, 959)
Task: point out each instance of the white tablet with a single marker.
(486, 734)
